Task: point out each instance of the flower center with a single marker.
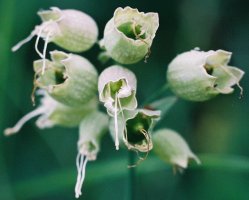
(115, 87)
(209, 69)
(52, 76)
(135, 127)
(132, 30)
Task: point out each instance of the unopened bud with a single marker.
(172, 148)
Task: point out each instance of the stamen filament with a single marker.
(22, 42)
(116, 121)
(37, 42)
(124, 123)
(81, 161)
(141, 159)
(22, 121)
(44, 53)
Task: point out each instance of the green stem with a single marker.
(131, 157)
(157, 94)
(132, 176)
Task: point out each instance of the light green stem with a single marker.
(132, 176)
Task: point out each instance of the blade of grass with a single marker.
(6, 24)
(113, 169)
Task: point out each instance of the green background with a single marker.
(40, 164)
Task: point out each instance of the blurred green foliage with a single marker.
(40, 164)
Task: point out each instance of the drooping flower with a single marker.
(199, 76)
(172, 148)
(117, 90)
(68, 78)
(70, 29)
(129, 34)
(90, 135)
(53, 113)
(135, 128)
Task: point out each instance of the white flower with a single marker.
(198, 75)
(135, 128)
(70, 29)
(53, 113)
(129, 34)
(90, 135)
(172, 148)
(117, 90)
(68, 78)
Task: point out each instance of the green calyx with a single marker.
(172, 148)
(90, 135)
(139, 124)
(134, 128)
(129, 34)
(68, 78)
(53, 113)
(67, 116)
(76, 31)
(117, 88)
(200, 76)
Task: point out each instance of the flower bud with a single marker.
(68, 78)
(129, 34)
(89, 144)
(199, 76)
(172, 148)
(53, 113)
(117, 90)
(135, 128)
(90, 134)
(70, 29)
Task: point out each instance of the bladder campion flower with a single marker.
(199, 76)
(129, 34)
(135, 128)
(68, 78)
(90, 135)
(117, 90)
(172, 148)
(53, 113)
(70, 29)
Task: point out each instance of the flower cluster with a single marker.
(67, 82)
(70, 86)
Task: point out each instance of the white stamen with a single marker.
(22, 42)
(123, 118)
(81, 162)
(22, 121)
(37, 42)
(44, 53)
(116, 121)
